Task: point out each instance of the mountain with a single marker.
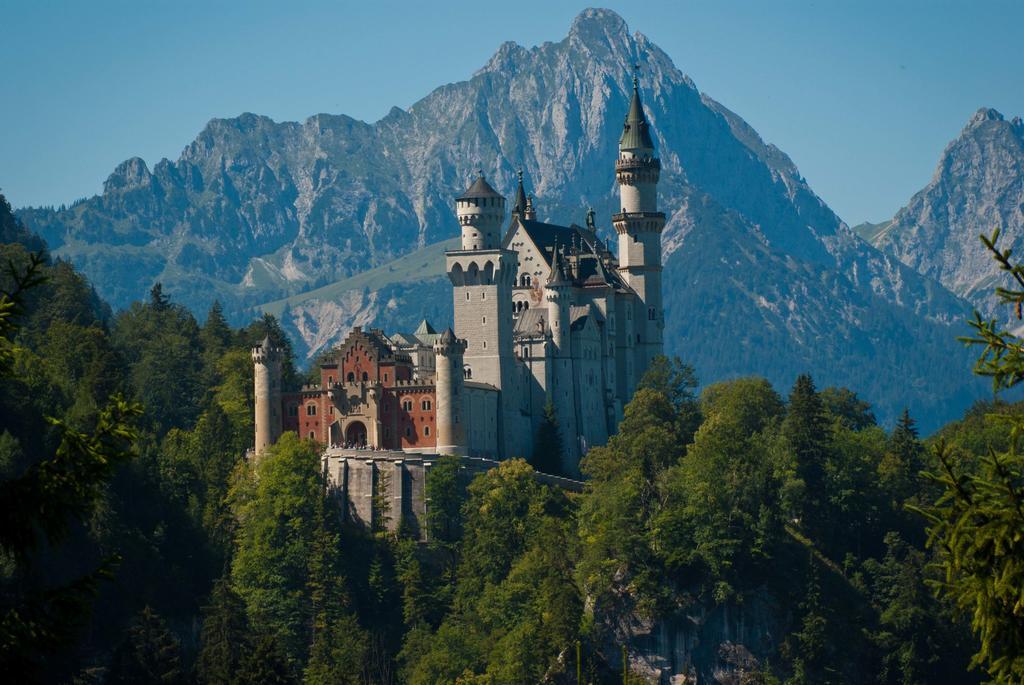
(255, 211)
(977, 187)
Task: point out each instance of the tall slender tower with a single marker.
(482, 275)
(451, 426)
(266, 360)
(562, 390)
(639, 226)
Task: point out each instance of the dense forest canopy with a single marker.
(139, 545)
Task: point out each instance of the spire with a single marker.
(557, 277)
(530, 214)
(635, 131)
(519, 208)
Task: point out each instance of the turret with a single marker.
(558, 293)
(481, 211)
(451, 426)
(266, 359)
(519, 206)
(639, 226)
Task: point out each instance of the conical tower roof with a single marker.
(520, 205)
(636, 133)
(480, 188)
(557, 276)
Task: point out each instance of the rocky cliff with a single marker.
(977, 187)
(255, 210)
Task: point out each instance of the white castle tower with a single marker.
(562, 388)
(451, 423)
(639, 226)
(266, 359)
(482, 275)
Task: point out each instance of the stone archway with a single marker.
(355, 434)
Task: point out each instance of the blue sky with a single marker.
(862, 95)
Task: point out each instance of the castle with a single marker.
(543, 313)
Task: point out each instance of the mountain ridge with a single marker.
(255, 211)
(977, 186)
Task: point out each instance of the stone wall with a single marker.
(385, 489)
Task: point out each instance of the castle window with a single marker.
(483, 296)
(650, 313)
(485, 344)
(467, 296)
(351, 377)
(408, 432)
(426, 431)
(310, 410)
(385, 377)
(366, 377)
(483, 319)
(330, 380)
(407, 405)
(330, 410)
(425, 405)
(312, 435)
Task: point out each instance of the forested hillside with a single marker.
(750, 534)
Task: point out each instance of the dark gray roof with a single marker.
(544, 236)
(635, 131)
(480, 188)
(520, 203)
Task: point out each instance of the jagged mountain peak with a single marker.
(978, 185)
(256, 210)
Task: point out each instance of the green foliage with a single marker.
(275, 504)
(721, 521)
(548, 454)
(806, 436)
(267, 664)
(975, 524)
(149, 655)
(517, 607)
(41, 498)
(225, 637)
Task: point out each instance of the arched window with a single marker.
(351, 377)
(407, 405)
(366, 376)
(426, 431)
(425, 405)
(310, 410)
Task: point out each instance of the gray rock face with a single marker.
(255, 210)
(977, 187)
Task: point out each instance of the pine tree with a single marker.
(806, 429)
(157, 299)
(809, 644)
(225, 636)
(337, 649)
(903, 461)
(975, 524)
(547, 445)
(216, 334)
(266, 664)
(149, 654)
